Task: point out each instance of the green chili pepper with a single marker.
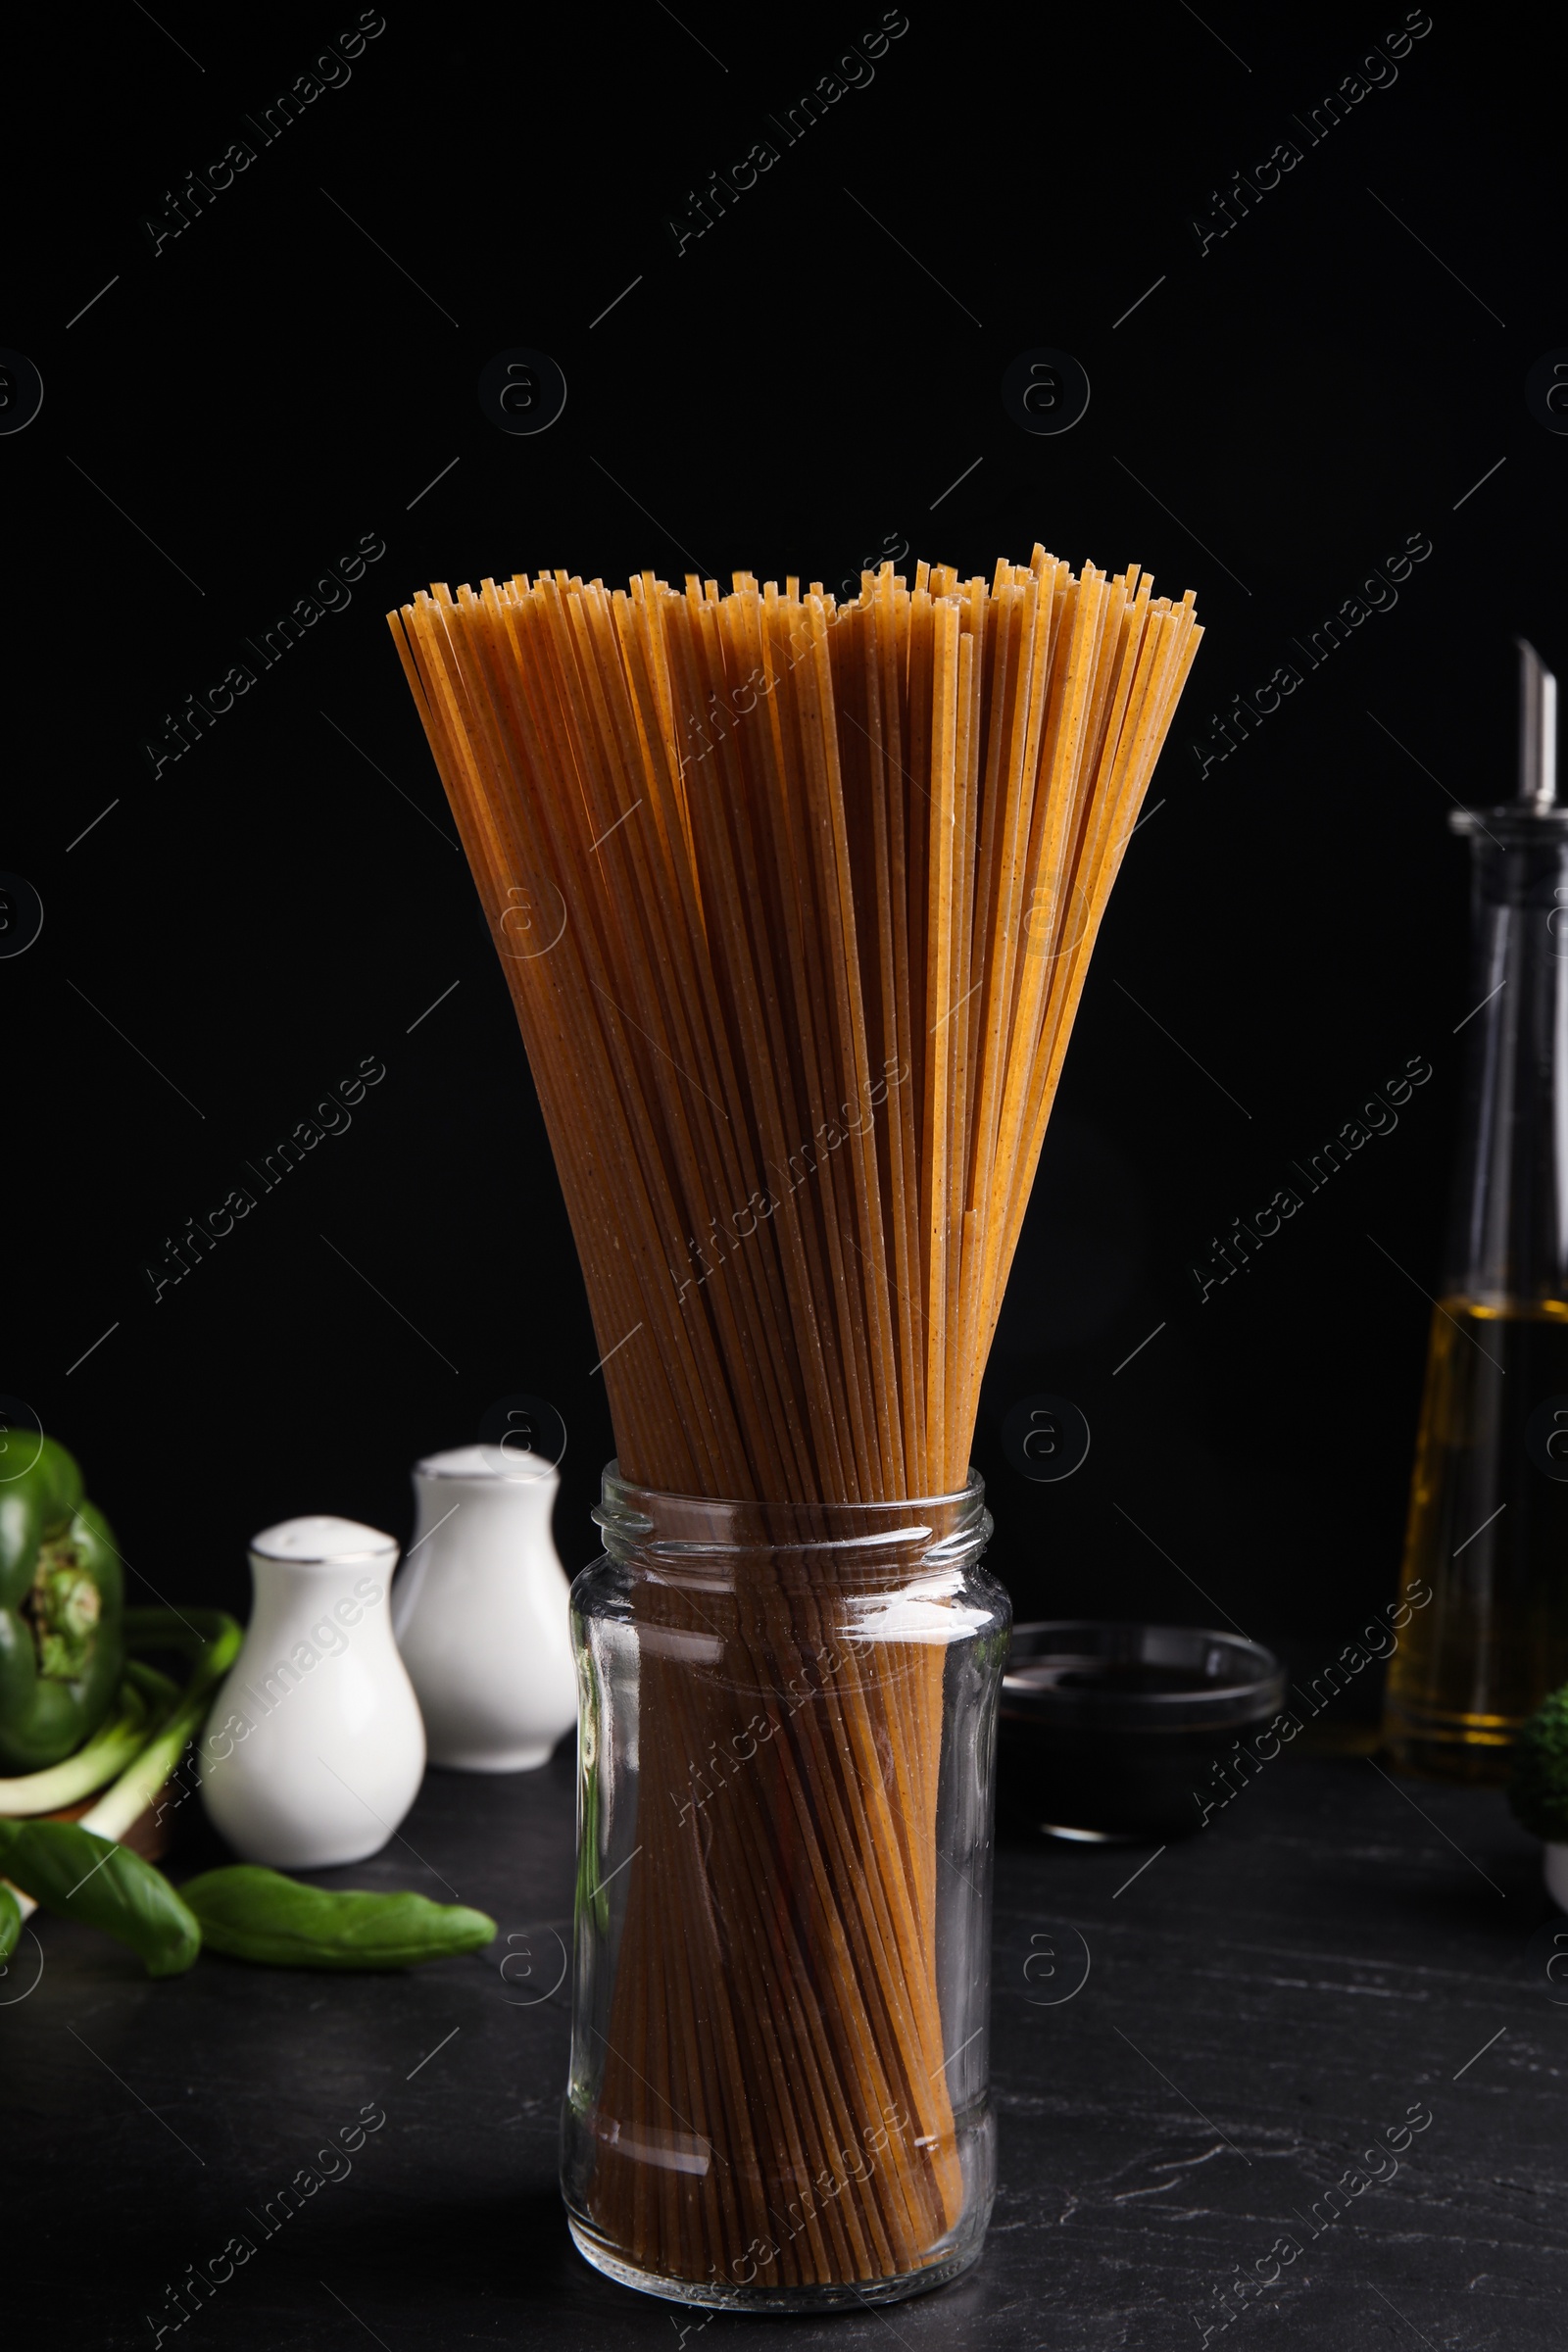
(80, 1875)
(10, 1924)
(256, 1914)
(61, 1646)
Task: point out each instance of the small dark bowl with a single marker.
(1112, 1730)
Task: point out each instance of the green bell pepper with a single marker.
(62, 1647)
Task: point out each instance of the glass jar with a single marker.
(779, 2090)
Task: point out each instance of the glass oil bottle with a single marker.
(1485, 1564)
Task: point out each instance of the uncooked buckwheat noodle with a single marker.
(796, 901)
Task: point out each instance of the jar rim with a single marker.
(972, 1491)
(652, 1521)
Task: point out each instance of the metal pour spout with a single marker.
(1538, 730)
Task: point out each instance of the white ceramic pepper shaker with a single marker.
(481, 1610)
(313, 1750)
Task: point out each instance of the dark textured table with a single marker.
(1323, 1968)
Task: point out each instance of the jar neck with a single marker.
(684, 1535)
(1508, 1234)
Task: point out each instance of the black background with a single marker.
(787, 394)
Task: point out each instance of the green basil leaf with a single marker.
(256, 1914)
(73, 1872)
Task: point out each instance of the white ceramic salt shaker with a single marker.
(481, 1610)
(313, 1750)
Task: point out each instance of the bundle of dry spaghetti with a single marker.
(796, 902)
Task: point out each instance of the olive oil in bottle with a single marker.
(1488, 1540)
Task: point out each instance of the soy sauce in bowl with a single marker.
(1111, 1730)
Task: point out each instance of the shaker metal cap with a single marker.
(517, 1465)
(318, 1542)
